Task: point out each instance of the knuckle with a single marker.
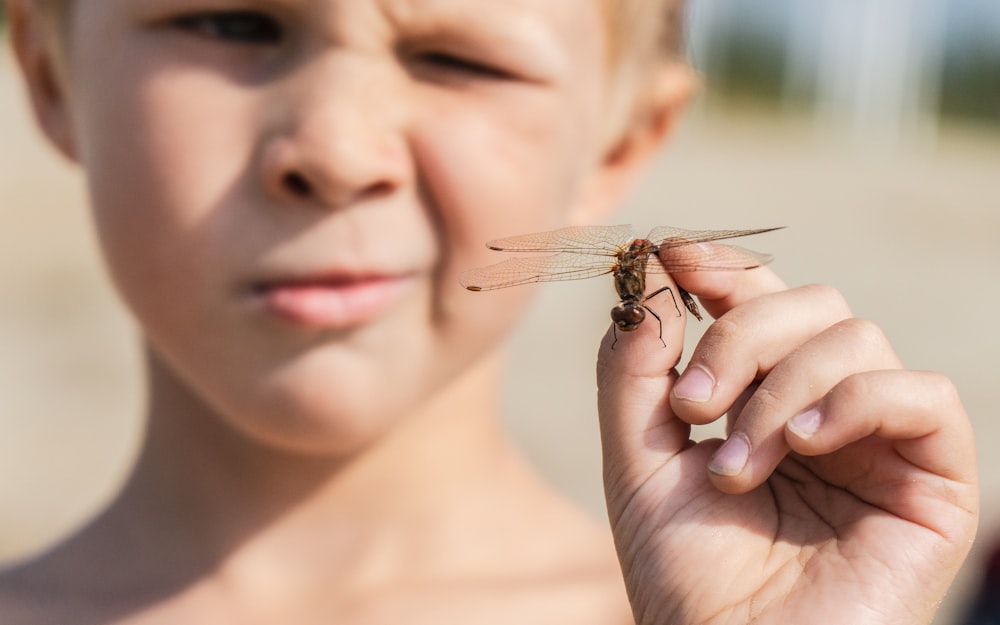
(716, 347)
(766, 400)
(830, 297)
(851, 390)
(726, 330)
(942, 387)
(865, 334)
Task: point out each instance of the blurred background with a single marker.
(870, 128)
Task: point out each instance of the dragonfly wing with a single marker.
(515, 271)
(667, 236)
(679, 250)
(598, 240)
(718, 257)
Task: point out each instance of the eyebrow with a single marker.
(511, 31)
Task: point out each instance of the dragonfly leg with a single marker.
(658, 320)
(672, 298)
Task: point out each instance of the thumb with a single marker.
(635, 372)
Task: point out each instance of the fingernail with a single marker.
(732, 456)
(696, 384)
(806, 424)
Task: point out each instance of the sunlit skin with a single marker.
(285, 192)
(285, 198)
(345, 152)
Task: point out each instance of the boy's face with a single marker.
(286, 190)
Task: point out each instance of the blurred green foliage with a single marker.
(747, 65)
(970, 82)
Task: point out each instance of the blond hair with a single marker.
(642, 37)
(646, 32)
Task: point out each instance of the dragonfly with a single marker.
(581, 252)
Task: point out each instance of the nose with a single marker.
(335, 137)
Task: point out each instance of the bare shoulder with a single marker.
(523, 555)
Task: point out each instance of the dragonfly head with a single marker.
(627, 316)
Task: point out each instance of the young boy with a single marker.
(285, 192)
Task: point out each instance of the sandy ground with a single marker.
(909, 235)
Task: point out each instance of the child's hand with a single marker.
(847, 492)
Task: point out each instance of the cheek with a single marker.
(489, 176)
(509, 170)
(158, 165)
(157, 146)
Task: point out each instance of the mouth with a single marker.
(332, 302)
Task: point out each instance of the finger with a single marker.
(757, 442)
(720, 291)
(746, 343)
(919, 410)
(634, 373)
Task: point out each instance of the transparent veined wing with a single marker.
(596, 240)
(679, 250)
(526, 270)
(718, 257)
(672, 237)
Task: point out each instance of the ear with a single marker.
(36, 46)
(661, 102)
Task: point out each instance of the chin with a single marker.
(335, 397)
(331, 419)
(332, 438)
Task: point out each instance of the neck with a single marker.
(200, 487)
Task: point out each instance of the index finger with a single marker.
(721, 291)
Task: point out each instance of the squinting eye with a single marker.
(249, 27)
(458, 64)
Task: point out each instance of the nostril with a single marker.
(380, 189)
(297, 184)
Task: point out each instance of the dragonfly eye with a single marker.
(628, 316)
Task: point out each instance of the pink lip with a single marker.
(334, 303)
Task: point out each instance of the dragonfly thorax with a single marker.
(642, 248)
(630, 270)
(630, 284)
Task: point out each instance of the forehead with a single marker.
(577, 26)
(559, 13)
